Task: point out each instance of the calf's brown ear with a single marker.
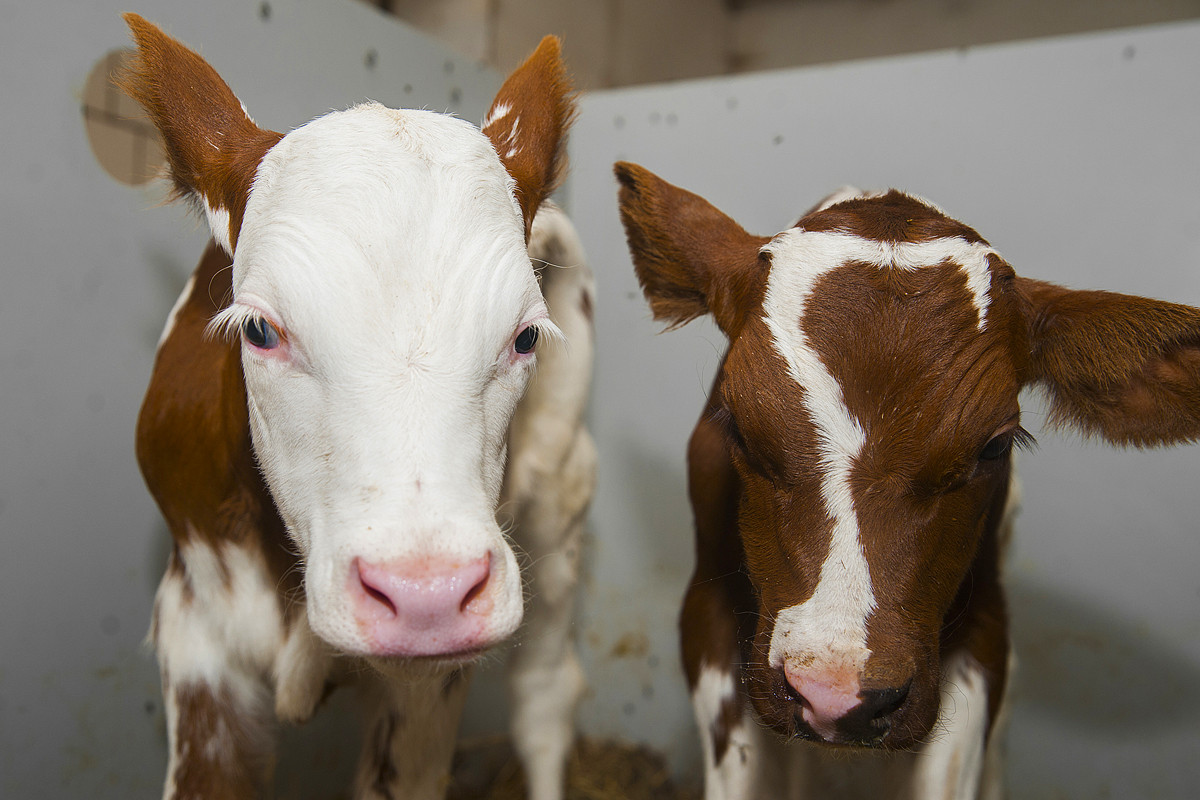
(690, 258)
(1122, 367)
(213, 147)
(528, 123)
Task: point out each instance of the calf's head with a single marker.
(868, 407)
(387, 314)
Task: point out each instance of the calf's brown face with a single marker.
(868, 406)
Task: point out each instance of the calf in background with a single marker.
(850, 477)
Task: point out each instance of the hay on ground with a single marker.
(597, 770)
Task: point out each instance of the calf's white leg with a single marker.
(548, 488)
(217, 627)
(735, 768)
(410, 735)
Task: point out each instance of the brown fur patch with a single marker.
(718, 610)
(193, 436)
(1122, 367)
(894, 217)
(221, 750)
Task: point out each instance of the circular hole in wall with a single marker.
(124, 142)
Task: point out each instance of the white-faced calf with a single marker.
(327, 425)
(850, 475)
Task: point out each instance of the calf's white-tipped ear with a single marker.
(213, 147)
(528, 123)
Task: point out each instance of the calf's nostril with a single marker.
(479, 587)
(879, 705)
(376, 594)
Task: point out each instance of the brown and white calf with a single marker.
(850, 476)
(339, 414)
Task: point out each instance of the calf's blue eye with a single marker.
(526, 340)
(260, 333)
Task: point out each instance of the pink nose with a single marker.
(427, 606)
(839, 710)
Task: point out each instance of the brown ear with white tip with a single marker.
(528, 124)
(213, 147)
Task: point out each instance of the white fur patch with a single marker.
(736, 777)
(832, 623)
(512, 139)
(821, 251)
(175, 309)
(218, 224)
(420, 715)
(302, 666)
(951, 764)
(227, 629)
(216, 625)
(498, 112)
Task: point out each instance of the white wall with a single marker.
(90, 268)
(1077, 158)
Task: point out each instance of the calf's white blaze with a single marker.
(832, 624)
(399, 287)
(828, 631)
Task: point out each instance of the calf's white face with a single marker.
(381, 285)
(388, 315)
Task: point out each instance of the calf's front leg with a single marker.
(733, 743)
(412, 722)
(957, 763)
(216, 629)
(546, 680)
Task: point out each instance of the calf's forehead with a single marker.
(905, 255)
(378, 206)
(882, 315)
(381, 180)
